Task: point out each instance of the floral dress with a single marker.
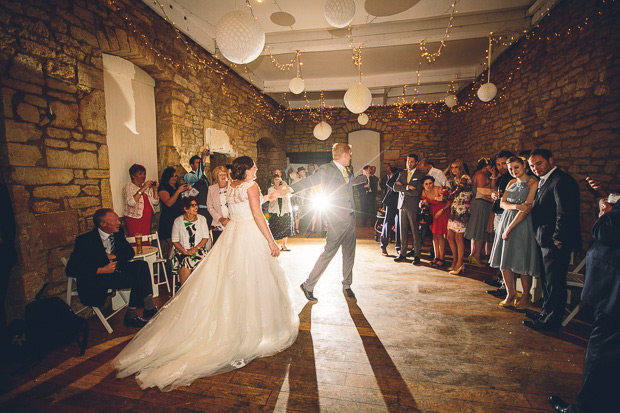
(180, 260)
(461, 205)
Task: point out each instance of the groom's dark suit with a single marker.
(555, 216)
(409, 205)
(89, 255)
(340, 215)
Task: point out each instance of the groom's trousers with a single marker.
(340, 233)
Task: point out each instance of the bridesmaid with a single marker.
(460, 194)
(514, 249)
(440, 207)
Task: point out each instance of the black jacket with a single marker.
(390, 200)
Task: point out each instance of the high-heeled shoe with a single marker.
(474, 261)
(521, 307)
(458, 271)
(506, 304)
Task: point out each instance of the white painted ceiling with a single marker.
(390, 32)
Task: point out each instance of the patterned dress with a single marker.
(180, 260)
(461, 205)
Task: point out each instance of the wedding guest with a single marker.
(514, 249)
(555, 216)
(481, 204)
(383, 181)
(601, 290)
(216, 201)
(390, 204)
(367, 198)
(281, 215)
(190, 234)
(435, 197)
(198, 180)
(102, 259)
(140, 197)
(170, 196)
(427, 167)
(296, 201)
(460, 194)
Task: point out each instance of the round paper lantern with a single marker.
(362, 119)
(339, 13)
(322, 131)
(296, 85)
(358, 98)
(239, 37)
(450, 101)
(487, 92)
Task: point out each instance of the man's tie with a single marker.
(112, 243)
(345, 174)
(541, 183)
(409, 173)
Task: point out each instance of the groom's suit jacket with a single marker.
(339, 193)
(409, 198)
(88, 255)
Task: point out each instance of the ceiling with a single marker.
(390, 32)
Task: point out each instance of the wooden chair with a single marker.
(123, 300)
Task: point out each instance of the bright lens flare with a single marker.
(319, 201)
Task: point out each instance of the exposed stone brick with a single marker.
(56, 191)
(41, 176)
(92, 112)
(21, 132)
(83, 146)
(57, 229)
(28, 113)
(66, 115)
(23, 155)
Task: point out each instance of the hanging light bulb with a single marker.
(339, 13)
(239, 37)
(296, 85)
(322, 130)
(362, 119)
(451, 101)
(487, 92)
(358, 98)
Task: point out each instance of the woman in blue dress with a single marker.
(514, 249)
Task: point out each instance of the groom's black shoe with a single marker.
(138, 322)
(308, 294)
(558, 404)
(400, 258)
(349, 293)
(146, 314)
(416, 261)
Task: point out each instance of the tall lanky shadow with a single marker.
(393, 388)
(303, 387)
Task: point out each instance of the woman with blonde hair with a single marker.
(460, 193)
(216, 201)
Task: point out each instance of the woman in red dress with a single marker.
(140, 197)
(440, 210)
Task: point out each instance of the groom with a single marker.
(337, 184)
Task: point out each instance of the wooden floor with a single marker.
(416, 339)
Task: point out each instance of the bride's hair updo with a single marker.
(239, 166)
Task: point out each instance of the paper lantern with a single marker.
(487, 92)
(322, 131)
(296, 85)
(239, 37)
(339, 13)
(362, 119)
(450, 101)
(358, 98)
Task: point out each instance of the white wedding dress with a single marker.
(235, 307)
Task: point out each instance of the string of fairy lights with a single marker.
(402, 109)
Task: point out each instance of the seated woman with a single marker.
(440, 210)
(515, 249)
(140, 197)
(170, 196)
(281, 218)
(481, 204)
(190, 234)
(216, 201)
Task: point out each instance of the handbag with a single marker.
(424, 216)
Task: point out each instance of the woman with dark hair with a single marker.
(170, 196)
(434, 197)
(481, 205)
(280, 214)
(190, 234)
(460, 194)
(236, 306)
(140, 197)
(514, 249)
(216, 201)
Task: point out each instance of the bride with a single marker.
(235, 307)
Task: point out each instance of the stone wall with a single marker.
(563, 96)
(420, 131)
(53, 126)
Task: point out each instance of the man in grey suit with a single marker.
(336, 183)
(409, 186)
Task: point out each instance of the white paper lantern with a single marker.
(296, 85)
(362, 119)
(487, 92)
(339, 13)
(239, 37)
(450, 101)
(358, 98)
(322, 131)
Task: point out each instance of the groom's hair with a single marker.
(340, 149)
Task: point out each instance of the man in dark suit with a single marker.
(555, 217)
(337, 184)
(101, 260)
(601, 377)
(390, 203)
(409, 186)
(367, 194)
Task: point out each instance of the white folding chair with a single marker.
(157, 264)
(574, 278)
(72, 292)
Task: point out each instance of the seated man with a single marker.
(100, 261)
